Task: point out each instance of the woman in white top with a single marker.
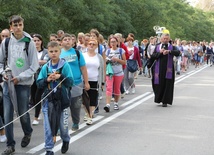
(94, 65)
(94, 34)
(35, 92)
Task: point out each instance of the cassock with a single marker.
(163, 73)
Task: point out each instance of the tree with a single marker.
(111, 16)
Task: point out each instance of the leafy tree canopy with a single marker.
(111, 16)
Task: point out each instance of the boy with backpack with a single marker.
(77, 64)
(18, 54)
(56, 78)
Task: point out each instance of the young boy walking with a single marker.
(78, 67)
(18, 54)
(55, 77)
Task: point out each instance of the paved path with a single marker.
(142, 127)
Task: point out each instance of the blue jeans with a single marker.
(22, 93)
(49, 143)
(202, 59)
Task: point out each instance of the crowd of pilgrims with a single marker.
(117, 49)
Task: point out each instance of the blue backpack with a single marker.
(100, 49)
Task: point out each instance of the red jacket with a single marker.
(123, 46)
(137, 56)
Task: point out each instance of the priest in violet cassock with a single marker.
(163, 73)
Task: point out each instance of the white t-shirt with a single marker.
(116, 66)
(92, 65)
(131, 52)
(39, 54)
(152, 49)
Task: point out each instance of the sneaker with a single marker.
(25, 140)
(75, 127)
(40, 117)
(65, 146)
(35, 122)
(3, 138)
(116, 107)
(9, 150)
(85, 117)
(133, 90)
(49, 153)
(123, 95)
(112, 99)
(96, 111)
(107, 108)
(89, 121)
(101, 97)
(127, 92)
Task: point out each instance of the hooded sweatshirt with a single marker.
(22, 63)
(63, 68)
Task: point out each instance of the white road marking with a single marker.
(196, 71)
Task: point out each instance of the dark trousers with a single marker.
(1, 108)
(36, 95)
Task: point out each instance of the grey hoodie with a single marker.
(23, 65)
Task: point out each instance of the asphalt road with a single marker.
(142, 127)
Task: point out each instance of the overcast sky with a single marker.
(192, 2)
